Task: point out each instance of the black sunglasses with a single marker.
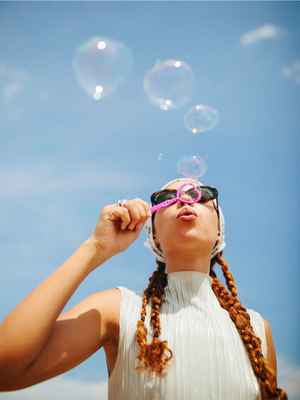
(207, 193)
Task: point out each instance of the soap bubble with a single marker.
(101, 65)
(169, 84)
(292, 71)
(192, 166)
(201, 118)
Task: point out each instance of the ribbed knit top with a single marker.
(209, 360)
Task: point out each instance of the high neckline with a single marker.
(189, 275)
(187, 286)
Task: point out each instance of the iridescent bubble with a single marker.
(101, 65)
(169, 84)
(201, 118)
(192, 166)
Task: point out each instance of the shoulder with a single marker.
(257, 323)
(109, 302)
(268, 337)
(110, 299)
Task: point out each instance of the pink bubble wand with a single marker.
(178, 198)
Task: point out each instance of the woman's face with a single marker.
(172, 234)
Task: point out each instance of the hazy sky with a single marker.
(64, 156)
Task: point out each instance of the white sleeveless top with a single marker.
(209, 360)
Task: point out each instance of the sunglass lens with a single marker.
(162, 196)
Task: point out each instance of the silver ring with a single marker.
(121, 202)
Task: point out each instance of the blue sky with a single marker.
(65, 156)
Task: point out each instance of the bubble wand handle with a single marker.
(163, 204)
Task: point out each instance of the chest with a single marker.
(209, 357)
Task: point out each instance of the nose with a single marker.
(183, 203)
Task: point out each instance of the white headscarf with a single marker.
(149, 243)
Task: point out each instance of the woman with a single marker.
(199, 342)
(205, 325)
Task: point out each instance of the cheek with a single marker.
(208, 216)
(162, 222)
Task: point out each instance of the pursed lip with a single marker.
(186, 211)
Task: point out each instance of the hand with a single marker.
(118, 226)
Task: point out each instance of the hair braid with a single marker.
(157, 355)
(238, 314)
(153, 355)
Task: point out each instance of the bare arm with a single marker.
(271, 351)
(77, 334)
(27, 328)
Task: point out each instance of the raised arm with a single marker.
(31, 325)
(37, 342)
(76, 335)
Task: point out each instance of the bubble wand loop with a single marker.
(178, 198)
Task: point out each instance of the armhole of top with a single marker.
(258, 324)
(122, 327)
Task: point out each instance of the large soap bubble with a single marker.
(192, 166)
(169, 84)
(101, 65)
(201, 118)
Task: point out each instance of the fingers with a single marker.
(121, 213)
(133, 212)
(138, 214)
(145, 206)
(138, 210)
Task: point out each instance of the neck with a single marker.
(187, 262)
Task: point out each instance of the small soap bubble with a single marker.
(192, 166)
(201, 118)
(101, 65)
(169, 84)
(292, 71)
